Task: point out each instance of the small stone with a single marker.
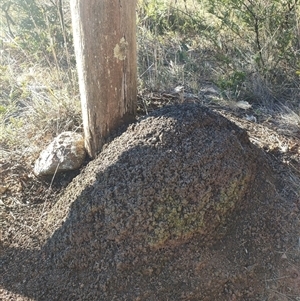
(66, 152)
(3, 189)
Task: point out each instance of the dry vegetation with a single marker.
(226, 54)
(181, 43)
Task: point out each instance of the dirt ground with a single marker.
(46, 255)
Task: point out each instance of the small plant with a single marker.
(231, 84)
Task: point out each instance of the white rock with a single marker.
(243, 105)
(65, 152)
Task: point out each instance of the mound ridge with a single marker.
(133, 220)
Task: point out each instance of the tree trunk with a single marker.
(105, 47)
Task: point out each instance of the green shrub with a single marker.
(266, 32)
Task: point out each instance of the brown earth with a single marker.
(179, 207)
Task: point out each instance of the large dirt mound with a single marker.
(137, 222)
(171, 178)
(176, 173)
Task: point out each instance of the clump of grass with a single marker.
(39, 94)
(38, 118)
(172, 47)
(38, 104)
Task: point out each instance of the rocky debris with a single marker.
(66, 152)
(133, 223)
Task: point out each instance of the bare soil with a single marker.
(104, 236)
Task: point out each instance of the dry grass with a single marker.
(37, 104)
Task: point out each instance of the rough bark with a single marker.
(105, 48)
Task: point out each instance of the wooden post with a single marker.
(105, 46)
